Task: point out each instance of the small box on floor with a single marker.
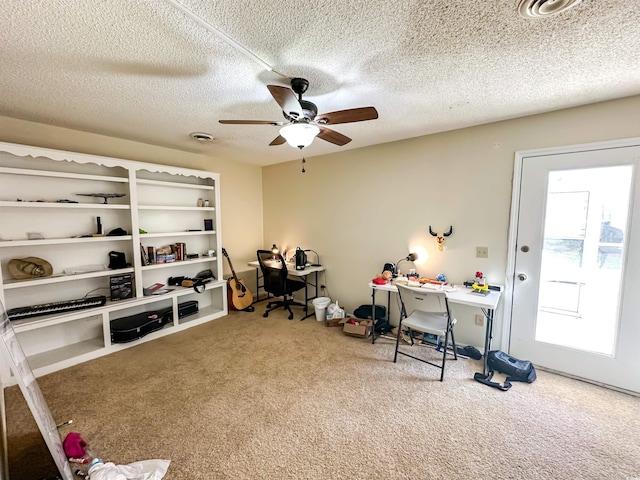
(333, 322)
(357, 327)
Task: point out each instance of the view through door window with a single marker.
(582, 258)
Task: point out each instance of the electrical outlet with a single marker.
(482, 252)
(480, 320)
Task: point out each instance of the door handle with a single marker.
(522, 277)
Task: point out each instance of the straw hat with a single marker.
(29, 267)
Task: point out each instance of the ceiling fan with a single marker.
(303, 123)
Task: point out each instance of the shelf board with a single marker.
(177, 234)
(203, 315)
(76, 176)
(67, 352)
(9, 285)
(210, 285)
(160, 183)
(42, 321)
(61, 241)
(34, 323)
(167, 329)
(180, 263)
(176, 207)
(100, 206)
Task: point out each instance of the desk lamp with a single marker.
(412, 257)
(317, 264)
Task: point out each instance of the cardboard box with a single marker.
(333, 322)
(121, 286)
(362, 329)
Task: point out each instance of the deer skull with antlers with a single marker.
(441, 237)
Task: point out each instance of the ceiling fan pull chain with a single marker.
(303, 162)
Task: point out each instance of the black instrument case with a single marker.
(134, 327)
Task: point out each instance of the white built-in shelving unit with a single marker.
(157, 206)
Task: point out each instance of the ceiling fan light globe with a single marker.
(299, 135)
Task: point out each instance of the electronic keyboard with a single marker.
(56, 307)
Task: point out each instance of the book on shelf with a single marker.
(165, 258)
(151, 255)
(162, 291)
(179, 250)
(143, 255)
(153, 289)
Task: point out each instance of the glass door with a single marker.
(577, 265)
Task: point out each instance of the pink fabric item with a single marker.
(74, 445)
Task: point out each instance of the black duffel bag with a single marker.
(382, 325)
(515, 370)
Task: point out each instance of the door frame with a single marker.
(520, 155)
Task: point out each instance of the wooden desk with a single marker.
(462, 296)
(304, 274)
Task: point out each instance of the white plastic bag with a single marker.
(334, 311)
(144, 470)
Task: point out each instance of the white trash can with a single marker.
(320, 304)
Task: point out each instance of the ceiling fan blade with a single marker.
(279, 140)
(251, 122)
(287, 100)
(347, 116)
(333, 137)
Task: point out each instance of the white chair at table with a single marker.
(425, 311)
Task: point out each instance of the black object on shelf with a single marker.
(121, 286)
(104, 196)
(56, 307)
(117, 260)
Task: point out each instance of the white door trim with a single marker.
(520, 155)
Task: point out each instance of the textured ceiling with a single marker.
(144, 70)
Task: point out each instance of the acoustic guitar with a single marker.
(241, 297)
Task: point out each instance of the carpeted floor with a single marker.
(247, 397)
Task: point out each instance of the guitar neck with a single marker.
(233, 272)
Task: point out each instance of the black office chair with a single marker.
(277, 283)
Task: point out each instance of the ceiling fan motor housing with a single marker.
(299, 85)
(309, 111)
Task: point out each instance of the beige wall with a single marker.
(241, 184)
(359, 209)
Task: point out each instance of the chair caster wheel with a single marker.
(291, 316)
(265, 315)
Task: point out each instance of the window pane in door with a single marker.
(583, 257)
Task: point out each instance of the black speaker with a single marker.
(117, 260)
